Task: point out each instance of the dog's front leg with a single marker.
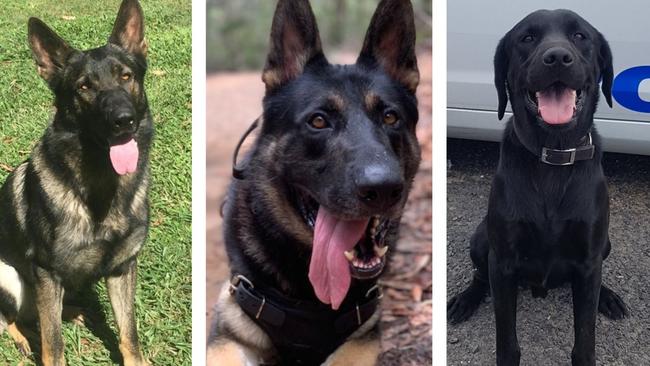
(586, 291)
(503, 285)
(360, 352)
(49, 302)
(121, 292)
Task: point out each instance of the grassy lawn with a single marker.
(163, 299)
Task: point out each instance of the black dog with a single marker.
(308, 227)
(548, 213)
(77, 209)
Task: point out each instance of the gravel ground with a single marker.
(545, 326)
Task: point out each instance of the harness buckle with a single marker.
(374, 289)
(234, 282)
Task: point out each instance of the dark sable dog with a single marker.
(308, 226)
(548, 212)
(77, 209)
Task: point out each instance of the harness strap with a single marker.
(238, 171)
(303, 333)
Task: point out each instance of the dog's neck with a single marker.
(89, 171)
(536, 142)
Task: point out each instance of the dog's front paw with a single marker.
(611, 305)
(136, 361)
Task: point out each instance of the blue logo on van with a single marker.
(626, 88)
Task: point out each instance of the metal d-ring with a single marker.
(234, 282)
(376, 288)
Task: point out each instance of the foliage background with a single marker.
(238, 31)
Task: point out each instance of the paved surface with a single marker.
(545, 326)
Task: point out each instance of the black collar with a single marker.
(585, 151)
(303, 333)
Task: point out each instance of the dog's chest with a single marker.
(545, 256)
(85, 246)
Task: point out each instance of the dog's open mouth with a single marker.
(343, 249)
(556, 105)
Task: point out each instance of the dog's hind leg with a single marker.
(11, 301)
(611, 305)
(463, 305)
(121, 292)
(21, 341)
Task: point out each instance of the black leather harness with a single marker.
(304, 333)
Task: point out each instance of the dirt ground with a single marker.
(234, 100)
(545, 326)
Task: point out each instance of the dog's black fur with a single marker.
(67, 218)
(546, 225)
(358, 163)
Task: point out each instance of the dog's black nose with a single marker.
(557, 56)
(379, 187)
(124, 121)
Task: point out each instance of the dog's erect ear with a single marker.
(390, 42)
(294, 42)
(128, 30)
(605, 65)
(50, 51)
(501, 75)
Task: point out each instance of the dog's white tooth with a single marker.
(349, 254)
(381, 251)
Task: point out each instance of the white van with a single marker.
(476, 26)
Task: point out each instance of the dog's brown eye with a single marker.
(126, 76)
(318, 122)
(390, 118)
(527, 39)
(84, 86)
(579, 36)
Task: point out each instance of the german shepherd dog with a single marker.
(309, 225)
(548, 212)
(77, 210)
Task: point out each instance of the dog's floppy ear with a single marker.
(390, 42)
(501, 75)
(294, 42)
(605, 65)
(50, 51)
(128, 30)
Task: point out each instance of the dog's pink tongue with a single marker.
(124, 157)
(329, 271)
(556, 107)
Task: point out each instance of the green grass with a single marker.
(163, 299)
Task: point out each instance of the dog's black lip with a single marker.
(368, 273)
(122, 139)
